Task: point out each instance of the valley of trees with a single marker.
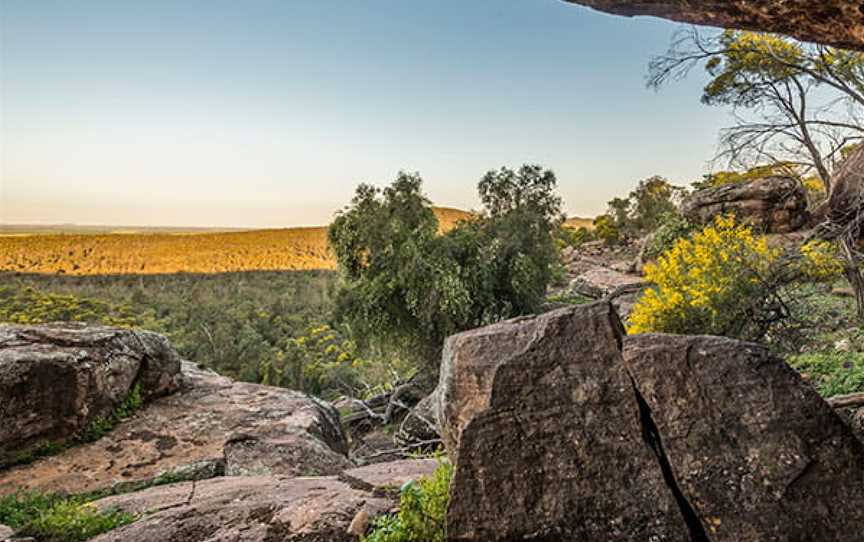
(362, 308)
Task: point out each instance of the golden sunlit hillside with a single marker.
(157, 253)
(576, 222)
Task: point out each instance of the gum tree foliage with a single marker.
(642, 210)
(794, 103)
(405, 284)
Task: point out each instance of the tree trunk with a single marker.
(852, 269)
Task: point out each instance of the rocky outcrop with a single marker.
(832, 22)
(770, 204)
(293, 454)
(263, 508)
(542, 414)
(419, 427)
(388, 478)
(563, 429)
(56, 379)
(210, 426)
(5, 533)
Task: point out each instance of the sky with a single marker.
(268, 113)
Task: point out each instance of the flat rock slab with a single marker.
(55, 379)
(245, 509)
(191, 428)
(599, 282)
(388, 478)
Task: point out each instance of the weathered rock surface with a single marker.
(770, 204)
(291, 454)
(419, 427)
(266, 508)
(245, 509)
(5, 532)
(599, 282)
(832, 22)
(561, 433)
(545, 421)
(756, 452)
(185, 433)
(55, 379)
(387, 478)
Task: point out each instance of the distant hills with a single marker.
(109, 250)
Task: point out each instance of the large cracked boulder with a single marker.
(771, 204)
(211, 426)
(563, 429)
(56, 379)
(545, 422)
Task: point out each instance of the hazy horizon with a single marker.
(268, 114)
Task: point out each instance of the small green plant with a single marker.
(18, 509)
(71, 521)
(672, 227)
(49, 517)
(422, 511)
(93, 431)
(102, 425)
(832, 372)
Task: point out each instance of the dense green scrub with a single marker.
(230, 322)
(49, 517)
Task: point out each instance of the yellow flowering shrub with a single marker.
(820, 261)
(711, 282)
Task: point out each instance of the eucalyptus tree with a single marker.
(793, 103)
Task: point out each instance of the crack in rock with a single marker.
(651, 436)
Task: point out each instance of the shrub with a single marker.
(49, 517)
(832, 373)
(672, 227)
(327, 363)
(422, 511)
(640, 212)
(606, 230)
(71, 521)
(29, 306)
(712, 283)
(724, 280)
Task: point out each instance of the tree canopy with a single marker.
(794, 103)
(406, 284)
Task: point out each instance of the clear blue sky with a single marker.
(268, 113)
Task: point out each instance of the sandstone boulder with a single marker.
(245, 509)
(292, 454)
(419, 427)
(599, 282)
(184, 435)
(56, 379)
(562, 429)
(770, 204)
(550, 447)
(756, 453)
